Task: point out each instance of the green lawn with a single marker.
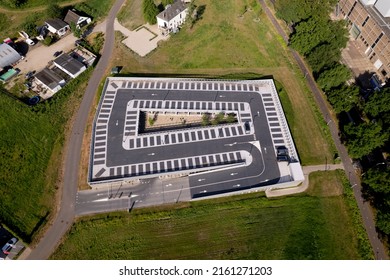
(317, 225)
(31, 143)
(222, 44)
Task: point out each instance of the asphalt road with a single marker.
(148, 192)
(66, 213)
(365, 209)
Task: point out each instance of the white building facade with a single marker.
(172, 17)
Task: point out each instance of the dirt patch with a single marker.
(163, 120)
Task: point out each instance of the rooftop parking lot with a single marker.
(218, 158)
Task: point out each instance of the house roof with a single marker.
(70, 64)
(56, 23)
(74, 16)
(8, 55)
(49, 78)
(172, 10)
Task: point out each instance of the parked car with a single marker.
(30, 42)
(9, 245)
(247, 127)
(29, 74)
(57, 53)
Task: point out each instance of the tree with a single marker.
(309, 34)
(363, 138)
(294, 11)
(206, 119)
(315, 31)
(150, 11)
(333, 77)
(323, 55)
(167, 2)
(54, 11)
(378, 103)
(30, 28)
(378, 180)
(76, 31)
(13, 3)
(383, 221)
(344, 99)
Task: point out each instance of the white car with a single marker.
(30, 42)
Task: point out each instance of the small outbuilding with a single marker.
(49, 80)
(75, 17)
(8, 55)
(69, 65)
(57, 26)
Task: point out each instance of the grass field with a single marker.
(316, 225)
(130, 14)
(31, 145)
(222, 44)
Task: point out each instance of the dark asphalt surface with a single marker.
(66, 213)
(263, 169)
(365, 208)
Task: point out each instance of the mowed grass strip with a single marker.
(222, 44)
(317, 225)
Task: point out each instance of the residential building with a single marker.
(49, 80)
(74, 16)
(69, 65)
(57, 26)
(369, 25)
(8, 55)
(172, 17)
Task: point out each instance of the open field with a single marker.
(224, 45)
(316, 225)
(31, 146)
(130, 15)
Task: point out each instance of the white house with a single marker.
(172, 17)
(74, 17)
(69, 65)
(57, 26)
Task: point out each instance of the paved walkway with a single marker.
(143, 40)
(302, 188)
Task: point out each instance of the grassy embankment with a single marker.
(315, 225)
(31, 145)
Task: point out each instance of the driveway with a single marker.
(39, 56)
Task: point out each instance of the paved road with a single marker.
(66, 213)
(148, 192)
(365, 209)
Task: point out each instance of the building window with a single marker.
(377, 40)
(350, 11)
(365, 21)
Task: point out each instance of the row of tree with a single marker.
(151, 10)
(320, 40)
